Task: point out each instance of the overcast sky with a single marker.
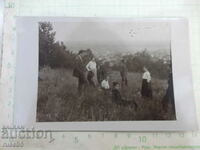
(113, 36)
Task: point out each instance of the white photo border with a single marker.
(25, 102)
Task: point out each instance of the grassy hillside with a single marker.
(58, 99)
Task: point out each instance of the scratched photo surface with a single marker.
(105, 71)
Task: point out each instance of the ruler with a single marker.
(1, 31)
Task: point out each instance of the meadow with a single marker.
(58, 99)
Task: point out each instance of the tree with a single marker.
(136, 62)
(53, 53)
(46, 42)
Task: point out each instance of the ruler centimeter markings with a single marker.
(1, 31)
(137, 136)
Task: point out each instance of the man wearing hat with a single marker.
(80, 70)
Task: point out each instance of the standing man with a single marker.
(101, 73)
(80, 71)
(123, 73)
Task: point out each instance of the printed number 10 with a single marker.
(142, 139)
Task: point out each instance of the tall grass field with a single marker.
(58, 99)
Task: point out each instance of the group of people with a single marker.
(89, 73)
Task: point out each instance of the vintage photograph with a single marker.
(105, 71)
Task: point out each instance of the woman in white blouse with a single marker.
(92, 72)
(146, 90)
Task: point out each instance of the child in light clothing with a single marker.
(105, 84)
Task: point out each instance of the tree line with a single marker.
(56, 55)
(53, 53)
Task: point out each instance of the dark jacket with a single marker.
(116, 96)
(79, 67)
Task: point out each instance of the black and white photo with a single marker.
(105, 71)
(104, 74)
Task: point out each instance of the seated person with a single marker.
(105, 84)
(116, 95)
(117, 98)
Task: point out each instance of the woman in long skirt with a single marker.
(146, 90)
